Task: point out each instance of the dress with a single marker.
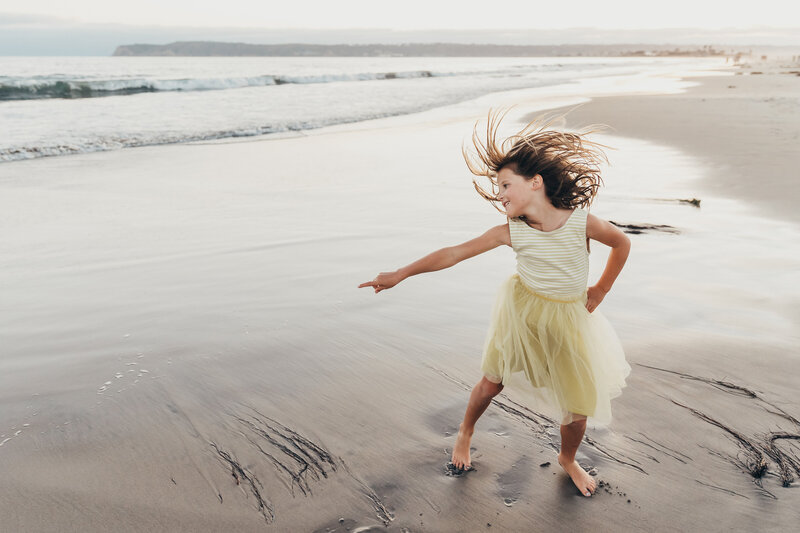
(542, 341)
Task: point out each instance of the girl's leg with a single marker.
(479, 400)
(571, 437)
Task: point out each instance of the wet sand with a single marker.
(185, 348)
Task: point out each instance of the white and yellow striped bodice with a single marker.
(553, 263)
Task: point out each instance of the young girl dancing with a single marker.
(544, 331)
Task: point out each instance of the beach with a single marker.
(185, 348)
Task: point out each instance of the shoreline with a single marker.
(413, 72)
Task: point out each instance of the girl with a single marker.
(543, 328)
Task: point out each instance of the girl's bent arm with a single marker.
(610, 235)
(444, 258)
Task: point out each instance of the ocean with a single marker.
(51, 106)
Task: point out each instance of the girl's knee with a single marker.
(489, 387)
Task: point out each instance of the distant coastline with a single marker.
(222, 49)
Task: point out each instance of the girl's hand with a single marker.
(383, 281)
(594, 295)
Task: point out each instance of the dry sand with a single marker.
(185, 349)
(746, 128)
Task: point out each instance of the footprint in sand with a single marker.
(513, 483)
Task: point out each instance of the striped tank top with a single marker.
(553, 263)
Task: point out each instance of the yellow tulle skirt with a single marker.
(561, 359)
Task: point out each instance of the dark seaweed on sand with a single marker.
(752, 460)
(240, 474)
(298, 460)
(636, 229)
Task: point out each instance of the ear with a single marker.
(537, 182)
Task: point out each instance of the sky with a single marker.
(94, 27)
(421, 14)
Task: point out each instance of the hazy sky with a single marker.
(422, 14)
(97, 27)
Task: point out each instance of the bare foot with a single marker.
(579, 476)
(460, 458)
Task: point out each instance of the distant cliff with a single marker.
(206, 48)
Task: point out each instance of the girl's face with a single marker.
(516, 193)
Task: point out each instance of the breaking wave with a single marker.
(32, 89)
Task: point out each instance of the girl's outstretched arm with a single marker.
(444, 258)
(610, 235)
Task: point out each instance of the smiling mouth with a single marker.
(505, 204)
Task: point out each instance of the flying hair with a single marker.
(568, 163)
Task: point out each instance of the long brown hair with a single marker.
(568, 163)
